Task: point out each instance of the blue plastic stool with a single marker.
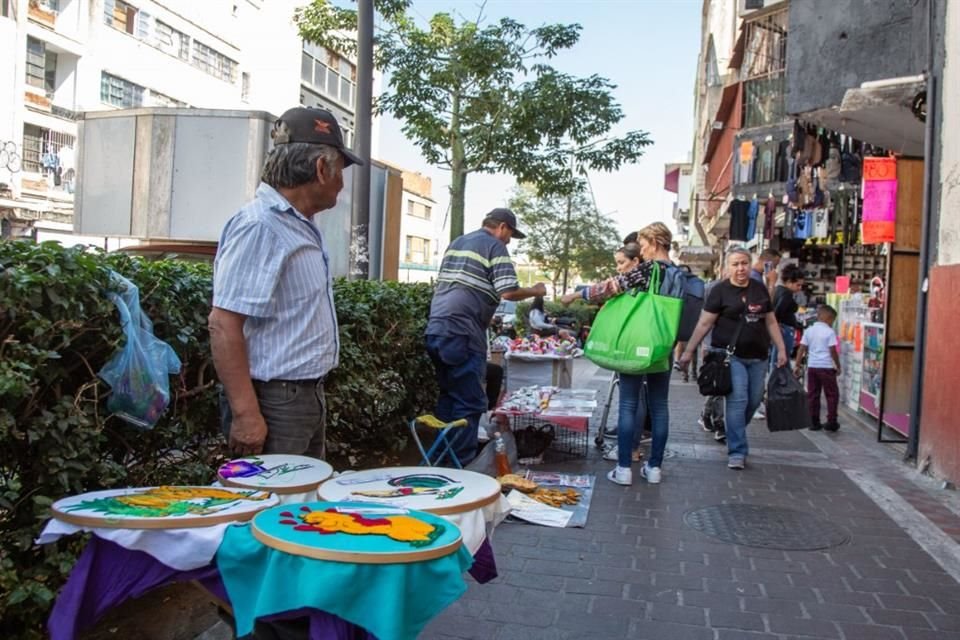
(441, 447)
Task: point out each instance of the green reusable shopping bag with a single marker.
(635, 332)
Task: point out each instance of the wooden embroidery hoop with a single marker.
(326, 490)
(283, 490)
(356, 557)
(166, 522)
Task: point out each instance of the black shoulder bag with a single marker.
(714, 378)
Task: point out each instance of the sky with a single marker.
(648, 48)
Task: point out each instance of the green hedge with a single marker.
(57, 329)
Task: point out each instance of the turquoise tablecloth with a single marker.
(391, 601)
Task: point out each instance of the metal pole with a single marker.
(926, 226)
(360, 219)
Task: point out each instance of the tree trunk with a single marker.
(458, 187)
(458, 170)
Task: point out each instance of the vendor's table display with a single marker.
(237, 563)
(287, 476)
(567, 410)
(540, 361)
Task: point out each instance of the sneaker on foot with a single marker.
(610, 432)
(736, 462)
(706, 427)
(720, 435)
(816, 426)
(621, 476)
(832, 426)
(646, 439)
(612, 454)
(761, 413)
(650, 474)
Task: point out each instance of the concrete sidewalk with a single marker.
(639, 571)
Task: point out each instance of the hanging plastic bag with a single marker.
(635, 332)
(786, 402)
(139, 374)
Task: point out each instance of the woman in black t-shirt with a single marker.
(739, 309)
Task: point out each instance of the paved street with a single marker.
(638, 571)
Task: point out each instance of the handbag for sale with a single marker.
(714, 378)
(635, 332)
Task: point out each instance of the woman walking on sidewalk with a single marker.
(740, 313)
(654, 242)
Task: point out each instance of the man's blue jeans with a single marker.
(635, 400)
(748, 378)
(460, 377)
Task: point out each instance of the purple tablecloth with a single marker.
(107, 574)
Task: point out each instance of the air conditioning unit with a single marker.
(750, 5)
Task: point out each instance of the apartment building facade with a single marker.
(76, 56)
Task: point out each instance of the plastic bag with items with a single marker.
(139, 374)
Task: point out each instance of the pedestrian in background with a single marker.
(822, 349)
(739, 312)
(476, 273)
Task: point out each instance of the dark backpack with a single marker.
(680, 282)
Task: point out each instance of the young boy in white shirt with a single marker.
(822, 347)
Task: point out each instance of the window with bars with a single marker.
(171, 41)
(120, 15)
(213, 62)
(418, 210)
(764, 70)
(418, 250)
(120, 92)
(42, 147)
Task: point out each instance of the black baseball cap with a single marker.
(315, 126)
(506, 216)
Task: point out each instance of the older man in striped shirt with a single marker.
(273, 328)
(476, 273)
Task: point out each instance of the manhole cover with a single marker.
(767, 527)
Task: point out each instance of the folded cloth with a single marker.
(180, 549)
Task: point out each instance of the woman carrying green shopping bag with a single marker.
(654, 242)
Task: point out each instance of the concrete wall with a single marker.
(835, 45)
(939, 426)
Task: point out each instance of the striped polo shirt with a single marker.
(475, 270)
(272, 267)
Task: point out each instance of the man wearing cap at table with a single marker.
(476, 273)
(273, 328)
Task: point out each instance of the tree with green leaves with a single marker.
(482, 98)
(565, 234)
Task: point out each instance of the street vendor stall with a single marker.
(540, 361)
(566, 412)
(279, 567)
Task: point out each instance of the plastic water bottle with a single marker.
(500, 449)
